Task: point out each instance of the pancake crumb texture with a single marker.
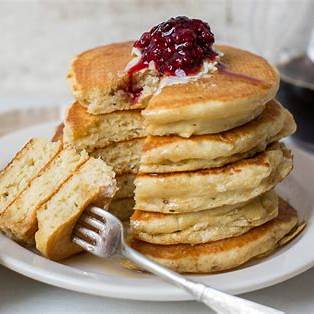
(19, 219)
(99, 82)
(25, 166)
(123, 157)
(86, 131)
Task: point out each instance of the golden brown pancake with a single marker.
(19, 220)
(204, 226)
(92, 183)
(211, 104)
(216, 102)
(86, 131)
(223, 254)
(97, 74)
(26, 165)
(203, 189)
(174, 153)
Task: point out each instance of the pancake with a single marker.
(24, 167)
(122, 208)
(211, 104)
(92, 183)
(87, 131)
(223, 254)
(123, 157)
(204, 226)
(204, 189)
(98, 80)
(217, 102)
(173, 153)
(125, 184)
(19, 219)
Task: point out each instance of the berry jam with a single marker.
(179, 44)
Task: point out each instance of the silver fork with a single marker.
(101, 234)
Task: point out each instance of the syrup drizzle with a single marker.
(223, 69)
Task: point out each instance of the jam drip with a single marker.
(134, 92)
(178, 47)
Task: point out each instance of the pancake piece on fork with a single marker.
(19, 219)
(92, 183)
(25, 166)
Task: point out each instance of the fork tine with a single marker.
(98, 211)
(93, 222)
(88, 233)
(83, 244)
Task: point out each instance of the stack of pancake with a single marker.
(205, 155)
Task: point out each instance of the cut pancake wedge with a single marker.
(19, 220)
(210, 188)
(204, 226)
(86, 131)
(92, 183)
(173, 153)
(223, 254)
(26, 165)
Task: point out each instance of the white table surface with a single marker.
(19, 294)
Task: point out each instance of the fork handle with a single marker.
(217, 300)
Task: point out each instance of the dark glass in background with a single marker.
(297, 94)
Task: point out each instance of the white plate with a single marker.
(89, 274)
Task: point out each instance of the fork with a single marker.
(102, 234)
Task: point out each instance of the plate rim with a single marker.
(68, 277)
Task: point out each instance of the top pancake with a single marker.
(98, 78)
(216, 102)
(95, 73)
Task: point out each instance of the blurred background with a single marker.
(38, 38)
